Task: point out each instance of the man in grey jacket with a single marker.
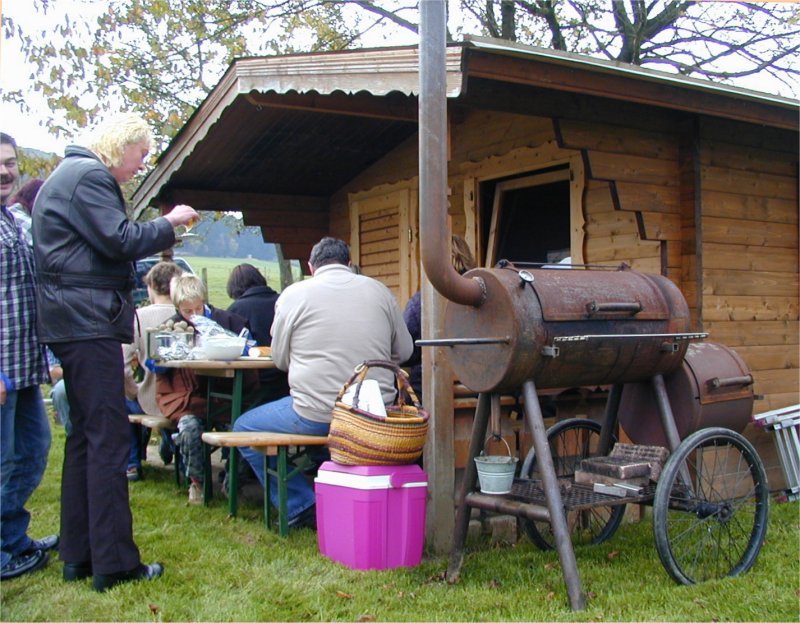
(323, 328)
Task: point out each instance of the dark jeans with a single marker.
(96, 522)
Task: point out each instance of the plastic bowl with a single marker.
(222, 348)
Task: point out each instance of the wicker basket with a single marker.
(358, 437)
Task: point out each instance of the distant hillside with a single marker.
(227, 237)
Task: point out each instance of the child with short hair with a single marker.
(181, 394)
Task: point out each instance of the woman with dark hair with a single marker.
(255, 300)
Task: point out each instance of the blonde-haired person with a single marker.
(181, 394)
(85, 246)
(462, 259)
(140, 396)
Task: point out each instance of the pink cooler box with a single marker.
(371, 516)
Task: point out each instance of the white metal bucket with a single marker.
(496, 473)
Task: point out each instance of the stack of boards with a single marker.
(625, 471)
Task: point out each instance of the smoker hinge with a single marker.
(550, 351)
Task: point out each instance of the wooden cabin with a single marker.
(551, 155)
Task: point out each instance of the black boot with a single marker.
(102, 583)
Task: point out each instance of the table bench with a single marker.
(288, 463)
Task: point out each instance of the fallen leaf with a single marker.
(343, 595)
(551, 565)
(154, 608)
(591, 595)
(366, 617)
(401, 594)
(612, 554)
(698, 601)
(493, 583)
(551, 595)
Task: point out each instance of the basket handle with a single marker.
(360, 373)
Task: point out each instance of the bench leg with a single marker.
(267, 498)
(283, 491)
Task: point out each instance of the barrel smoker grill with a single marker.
(546, 328)
(511, 329)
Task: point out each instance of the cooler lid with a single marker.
(371, 476)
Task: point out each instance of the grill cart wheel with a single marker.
(570, 442)
(711, 507)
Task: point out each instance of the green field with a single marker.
(216, 270)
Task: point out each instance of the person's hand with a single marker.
(3, 393)
(56, 374)
(182, 215)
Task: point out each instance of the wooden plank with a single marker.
(777, 381)
(291, 235)
(621, 248)
(760, 137)
(732, 205)
(769, 357)
(491, 133)
(386, 257)
(749, 183)
(660, 226)
(743, 257)
(776, 401)
(379, 246)
(752, 233)
(782, 333)
(598, 198)
(748, 158)
(611, 224)
(648, 197)
(626, 168)
(727, 282)
(379, 235)
(582, 134)
(749, 307)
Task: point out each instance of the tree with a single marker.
(713, 40)
(162, 57)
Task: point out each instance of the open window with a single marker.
(527, 218)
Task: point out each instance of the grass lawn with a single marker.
(221, 569)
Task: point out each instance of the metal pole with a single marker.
(435, 251)
(552, 494)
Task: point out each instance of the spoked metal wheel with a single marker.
(570, 442)
(711, 507)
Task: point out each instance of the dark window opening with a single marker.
(533, 223)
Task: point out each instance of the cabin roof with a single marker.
(303, 125)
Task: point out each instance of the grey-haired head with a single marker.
(329, 251)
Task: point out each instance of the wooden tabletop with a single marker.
(208, 367)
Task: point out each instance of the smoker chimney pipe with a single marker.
(434, 237)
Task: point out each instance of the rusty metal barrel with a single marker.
(566, 328)
(713, 387)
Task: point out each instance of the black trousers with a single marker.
(96, 521)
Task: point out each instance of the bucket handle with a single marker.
(483, 451)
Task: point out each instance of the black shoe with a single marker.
(306, 519)
(24, 563)
(74, 571)
(165, 450)
(134, 474)
(102, 583)
(45, 544)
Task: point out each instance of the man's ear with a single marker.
(310, 268)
